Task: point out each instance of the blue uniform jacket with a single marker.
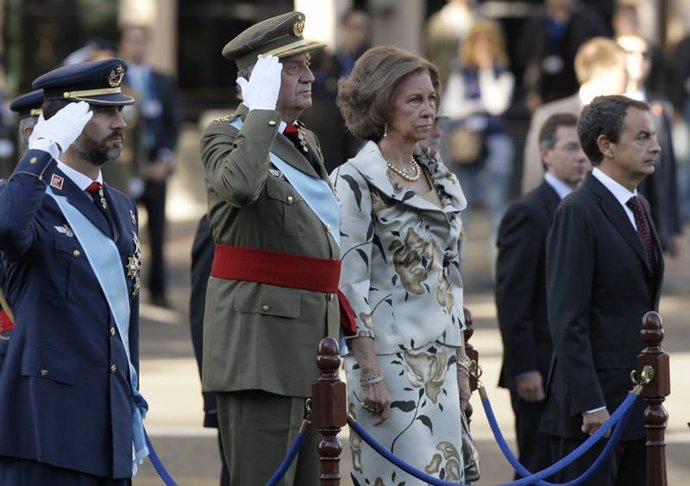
(65, 397)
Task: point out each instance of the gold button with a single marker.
(265, 308)
(44, 372)
(272, 123)
(76, 253)
(113, 368)
(290, 199)
(112, 331)
(33, 160)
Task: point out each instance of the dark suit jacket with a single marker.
(61, 403)
(202, 260)
(598, 288)
(660, 188)
(161, 126)
(521, 284)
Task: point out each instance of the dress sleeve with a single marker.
(356, 243)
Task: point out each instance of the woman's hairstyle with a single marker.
(366, 96)
(484, 27)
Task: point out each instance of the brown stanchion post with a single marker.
(654, 392)
(329, 410)
(472, 353)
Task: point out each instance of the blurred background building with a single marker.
(38, 35)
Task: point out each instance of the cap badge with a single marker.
(298, 27)
(116, 75)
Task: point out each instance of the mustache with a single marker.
(116, 134)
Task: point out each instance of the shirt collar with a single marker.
(82, 181)
(618, 191)
(561, 188)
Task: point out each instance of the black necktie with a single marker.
(643, 230)
(96, 191)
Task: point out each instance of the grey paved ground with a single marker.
(170, 382)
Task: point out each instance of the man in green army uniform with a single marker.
(272, 295)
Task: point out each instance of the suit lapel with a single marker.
(616, 215)
(80, 200)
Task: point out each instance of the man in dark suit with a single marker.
(72, 262)
(202, 261)
(521, 284)
(604, 269)
(153, 148)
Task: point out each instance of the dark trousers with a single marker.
(533, 446)
(257, 429)
(24, 472)
(627, 465)
(153, 200)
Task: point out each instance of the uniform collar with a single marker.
(79, 179)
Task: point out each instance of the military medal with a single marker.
(302, 141)
(133, 266)
(132, 217)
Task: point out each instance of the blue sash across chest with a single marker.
(104, 258)
(317, 193)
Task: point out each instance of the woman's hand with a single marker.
(377, 401)
(375, 397)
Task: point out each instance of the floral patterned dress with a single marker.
(401, 255)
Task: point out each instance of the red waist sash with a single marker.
(283, 270)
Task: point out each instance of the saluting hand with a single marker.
(63, 128)
(262, 89)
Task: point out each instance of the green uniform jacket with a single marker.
(259, 336)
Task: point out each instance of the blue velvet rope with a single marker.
(157, 464)
(292, 453)
(619, 415)
(522, 471)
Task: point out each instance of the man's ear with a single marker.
(28, 130)
(605, 146)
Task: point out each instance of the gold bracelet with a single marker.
(366, 382)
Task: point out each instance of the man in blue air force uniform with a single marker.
(70, 410)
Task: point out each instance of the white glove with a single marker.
(262, 89)
(63, 128)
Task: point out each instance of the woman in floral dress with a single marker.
(400, 246)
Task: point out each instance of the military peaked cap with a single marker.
(96, 82)
(28, 104)
(279, 36)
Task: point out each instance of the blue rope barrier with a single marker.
(522, 471)
(582, 448)
(290, 457)
(620, 415)
(157, 464)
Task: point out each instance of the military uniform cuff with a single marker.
(35, 162)
(46, 145)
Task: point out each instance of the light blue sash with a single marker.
(317, 193)
(104, 258)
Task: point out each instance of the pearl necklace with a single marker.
(411, 175)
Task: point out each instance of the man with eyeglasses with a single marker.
(521, 284)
